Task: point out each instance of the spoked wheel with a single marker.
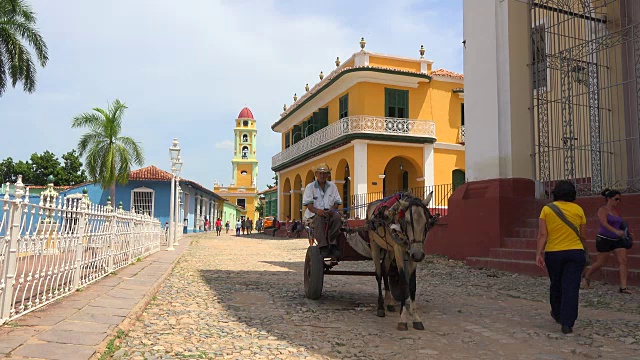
(313, 273)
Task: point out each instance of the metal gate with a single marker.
(585, 64)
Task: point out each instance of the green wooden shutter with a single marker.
(324, 117)
(389, 103)
(344, 106)
(287, 139)
(295, 134)
(462, 114)
(310, 126)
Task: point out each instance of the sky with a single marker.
(185, 69)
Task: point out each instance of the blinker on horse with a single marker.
(398, 227)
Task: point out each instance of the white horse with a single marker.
(397, 236)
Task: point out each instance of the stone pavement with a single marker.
(82, 323)
(243, 298)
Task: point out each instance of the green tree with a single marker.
(260, 209)
(43, 165)
(7, 170)
(71, 171)
(108, 154)
(17, 30)
(25, 169)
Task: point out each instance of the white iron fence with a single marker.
(50, 249)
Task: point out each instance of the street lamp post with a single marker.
(174, 153)
(176, 199)
(178, 220)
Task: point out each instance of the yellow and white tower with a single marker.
(243, 189)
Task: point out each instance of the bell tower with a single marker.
(245, 162)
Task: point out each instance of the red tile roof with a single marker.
(150, 173)
(447, 73)
(268, 190)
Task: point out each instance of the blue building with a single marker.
(149, 190)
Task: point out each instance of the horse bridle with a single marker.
(403, 224)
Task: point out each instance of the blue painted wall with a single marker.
(162, 193)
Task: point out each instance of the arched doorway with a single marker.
(286, 200)
(343, 182)
(457, 178)
(296, 198)
(400, 174)
(309, 178)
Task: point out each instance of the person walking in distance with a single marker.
(218, 226)
(227, 226)
(561, 250)
(610, 239)
(238, 226)
(321, 197)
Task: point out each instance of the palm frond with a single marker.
(26, 31)
(133, 148)
(3, 69)
(90, 120)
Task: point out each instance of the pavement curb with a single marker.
(137, 311)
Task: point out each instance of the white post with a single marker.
(176, 204)
(171, 232)
(112, 236)
(82, 215)
(360, 181)
(12, 258)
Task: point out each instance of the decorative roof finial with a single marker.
(284, 107)
(306, 88)
(362, 44)
(337, 61)
(422, 51)
(321, 75)
(295, 97)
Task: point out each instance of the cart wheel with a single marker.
(313, 273)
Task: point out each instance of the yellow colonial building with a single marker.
(382, 123)
(243, 188)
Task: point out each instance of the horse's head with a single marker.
(411, 223)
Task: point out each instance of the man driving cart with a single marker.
(322, 199)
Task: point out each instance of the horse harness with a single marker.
(381, 220)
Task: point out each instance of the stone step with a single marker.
(633, 261)
(607, 274)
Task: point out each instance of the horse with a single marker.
(397, 231)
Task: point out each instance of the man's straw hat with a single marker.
(322, 167)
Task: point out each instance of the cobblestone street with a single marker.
(243, 298)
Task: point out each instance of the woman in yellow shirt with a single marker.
(561, 251)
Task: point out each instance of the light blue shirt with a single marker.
(320, 198)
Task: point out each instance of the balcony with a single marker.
(360, 126)
(461, 135)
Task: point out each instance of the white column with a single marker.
(279, 196)
(497, 89)
(176, 223)
(360, 169)
(171, 232)
(429, 166)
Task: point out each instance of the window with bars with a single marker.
(142, 201)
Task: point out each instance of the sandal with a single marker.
(625, 291)
(587, 283)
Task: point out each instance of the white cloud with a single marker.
(224, 144)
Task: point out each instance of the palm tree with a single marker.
(17, 25)
(109, 155)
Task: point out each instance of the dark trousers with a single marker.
(320, 225)
(565, 271)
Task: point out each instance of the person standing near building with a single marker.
(610, 239)
(227, 226)
(218, 226)
(322, 199)
(238, 227)
(561, 250)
